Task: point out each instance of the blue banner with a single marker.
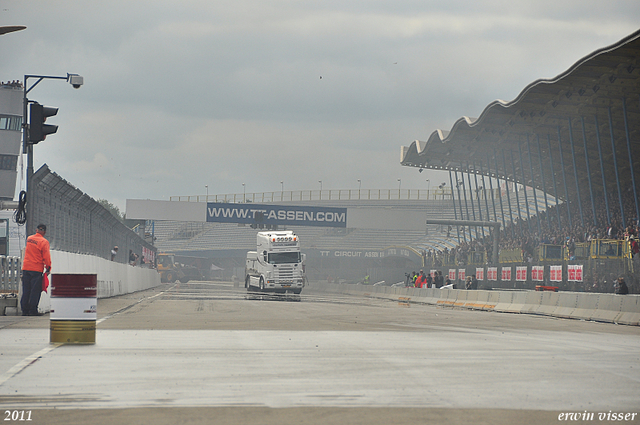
(269, 214)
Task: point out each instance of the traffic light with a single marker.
(38, 130)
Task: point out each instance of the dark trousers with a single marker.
(31, 290)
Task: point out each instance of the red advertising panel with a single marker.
(521, 273)
(492, 273)
(537, 273)
(555, 273)
(506, 274)
(480, 273)
(462, 274)
(452, 274)
(574, 273)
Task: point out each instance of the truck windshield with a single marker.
(284, 257)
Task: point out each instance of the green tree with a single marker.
(112, 209)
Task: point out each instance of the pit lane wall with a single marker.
(113, 278)
(611, 308)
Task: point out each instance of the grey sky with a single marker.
(183, 94)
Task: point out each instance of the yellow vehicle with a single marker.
(171, 271)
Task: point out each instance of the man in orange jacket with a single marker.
(37, 259)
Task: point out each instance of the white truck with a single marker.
(277, 265)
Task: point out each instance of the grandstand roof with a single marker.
(577, 105)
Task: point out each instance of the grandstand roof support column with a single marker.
(504, 223)
(524, 189)
(475, 177)
(564, 179)
(533, 186)
(493, 202)
(633, 177)
(473, 223)
(473, 208)
(464, 191)
(575, 171)
(515, 186)
(615, 166)
(555, 186)
(604, 182)
(484, 193)
(544, 186)
(455, 213)
(506, 183)
(586, 160)
(455, 172)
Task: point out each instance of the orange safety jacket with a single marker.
(36, 254)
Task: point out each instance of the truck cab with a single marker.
(277, 263)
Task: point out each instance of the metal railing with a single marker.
(605, 248)
(513, 255)
(10, 269)
(329, 195)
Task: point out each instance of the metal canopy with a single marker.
(595, 95)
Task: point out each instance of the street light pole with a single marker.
(76, 81)
(206, 186)
(359, 187)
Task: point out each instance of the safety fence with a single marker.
(77, 223)
(611, 308)
(337, 194)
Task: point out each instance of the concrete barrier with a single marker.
(630, 314)
(505, 299)
(609, 307)
(548, 303)
(586, 305)
(475, 300)
(492, 300)
(447, 297)
(518, 301)
(532, 302)
(623, 309)
(567, 303)
(461, 299)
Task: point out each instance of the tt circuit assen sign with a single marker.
(276, 214)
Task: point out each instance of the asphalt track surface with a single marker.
(209, 353)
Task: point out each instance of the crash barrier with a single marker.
(611, 308)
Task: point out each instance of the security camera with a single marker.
(76, 80)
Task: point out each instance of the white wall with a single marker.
(113, 278)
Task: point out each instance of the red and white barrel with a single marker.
(74, 302)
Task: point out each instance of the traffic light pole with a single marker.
(27, 148)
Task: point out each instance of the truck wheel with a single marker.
(171, 277)
(184, 280)
(247, 282)
(261, 283)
